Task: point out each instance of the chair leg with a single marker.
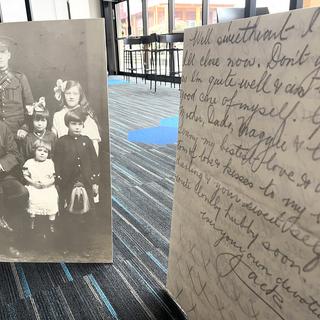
(155, 73)
(145, 64)
(178, 62)
(171, 67)
(124, 66)
(130, 64)
(159, 62)
(174, 69)
(136, 66)
(151, 66)
(166, 66)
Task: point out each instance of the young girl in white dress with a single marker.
(71, 97)
(40, 174)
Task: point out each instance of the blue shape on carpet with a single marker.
(166, 133)
(156, 135)
(114, 82)
(170, 122)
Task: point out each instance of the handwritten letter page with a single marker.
(245, 240)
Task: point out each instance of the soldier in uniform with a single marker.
(15, 93)
(13, 195)
(15, 96)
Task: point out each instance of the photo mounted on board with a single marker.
(55, 193)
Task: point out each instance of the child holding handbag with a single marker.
(77, 175)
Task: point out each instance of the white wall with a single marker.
(43, 10)
(13, 10)
(95, 9)
(61, 9)
(83, 9)
(79, 9)
(274, 5)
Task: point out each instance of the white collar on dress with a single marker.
(68, 109)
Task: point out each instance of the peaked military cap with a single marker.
(7, 43)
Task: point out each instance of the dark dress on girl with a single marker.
(32, 137)
(76, 161)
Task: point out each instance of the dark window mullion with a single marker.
(170, 16)
(145, 16)
(205, 11)
(250, 8)
(129, 19)
(28, 10)
(295, 4)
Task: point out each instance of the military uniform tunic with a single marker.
(15, 94)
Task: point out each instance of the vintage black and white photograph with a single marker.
(55, 193)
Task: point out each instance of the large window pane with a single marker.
(50, 9)
(61, 9)
(274, 6)
(311, 3)
(13, 10)
(187, 14)
(136, 17)
(79, 9)
(122, 19)
(157, 16)
(122, 28)
(221, 4)
(43, 10)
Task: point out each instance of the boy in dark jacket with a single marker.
(77, 175)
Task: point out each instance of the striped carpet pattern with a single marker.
(133, 287)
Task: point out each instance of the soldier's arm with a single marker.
(12, 156)
(27, 100)
(26, 91)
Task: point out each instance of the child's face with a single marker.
(72, 96)
(41, 154)
(40, 124)
(75, 128)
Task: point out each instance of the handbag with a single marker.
(79, 199)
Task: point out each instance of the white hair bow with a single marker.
(59, 89)
(37, 106)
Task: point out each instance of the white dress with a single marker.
(41, 201)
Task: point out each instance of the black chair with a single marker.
(132, 56)
(173, 56)
(149, 49)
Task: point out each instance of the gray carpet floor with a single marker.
(133, 287)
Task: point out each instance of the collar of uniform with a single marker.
(4, 72)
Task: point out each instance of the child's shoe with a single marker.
(32, 223)
(52, 227)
